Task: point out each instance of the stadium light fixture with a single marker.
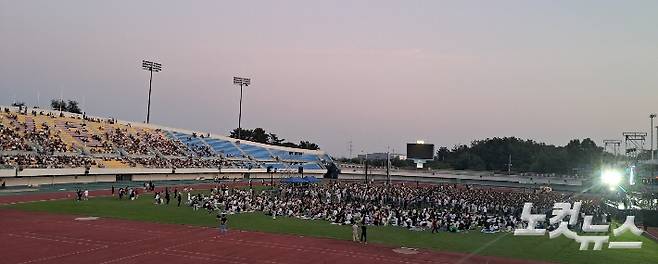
(151, 67)
(612, 178)
(242, 82)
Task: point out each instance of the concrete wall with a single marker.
(43, 180)
(55, 176)
(50, 176)
(458, 175)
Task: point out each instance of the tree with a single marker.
(61, 105)
(262, 136)
(442, 153)
(289, 144)
(259, 135)
(73, 107)
(58, 105)
(245, 134)
(275, 140)
(308, 145)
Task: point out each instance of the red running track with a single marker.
(30, 237)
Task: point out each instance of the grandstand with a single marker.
(36, 145)
(39, 146)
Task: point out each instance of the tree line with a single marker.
(70, 106)
(494, 154)
(261, 136)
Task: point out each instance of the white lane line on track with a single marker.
(98, 247)
(221, 259)
(209, 255)
(345, 253)
(60, 237)
(63, 255)
(152, 251)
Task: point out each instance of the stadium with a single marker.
(559, 166)
(66, 163)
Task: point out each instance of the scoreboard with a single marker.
(420, 151)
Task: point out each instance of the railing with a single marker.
(8, 173)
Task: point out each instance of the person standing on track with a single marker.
(364, 233)
(355, 232)
(223, 221)
(435, 226)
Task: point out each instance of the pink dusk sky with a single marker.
(377, 73)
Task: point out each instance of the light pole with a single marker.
(242, 82)
(366, 167)
(388, 166)
(151, 67)
(651, 116)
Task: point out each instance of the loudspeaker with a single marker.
(300, 169)
(269, 169)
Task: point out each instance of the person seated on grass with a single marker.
(133, 194)
(408, 206)
(157, 199)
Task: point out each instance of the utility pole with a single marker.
(349, 148)
(61, 100)
(509, 165)
(366, 167)
(388, 166)
(651, 116)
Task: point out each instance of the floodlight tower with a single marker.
(636, 139)
(242, 82)
(614, 143)
(151, 67)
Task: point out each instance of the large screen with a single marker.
(420, 151)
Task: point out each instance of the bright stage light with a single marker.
(611, 177)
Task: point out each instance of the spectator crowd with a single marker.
(28, 145)
(418, 207)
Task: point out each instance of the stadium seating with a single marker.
(35, 138)
(256, 152)
(225, 147)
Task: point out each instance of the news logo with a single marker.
(561, 211)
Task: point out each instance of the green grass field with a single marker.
(505, 245)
